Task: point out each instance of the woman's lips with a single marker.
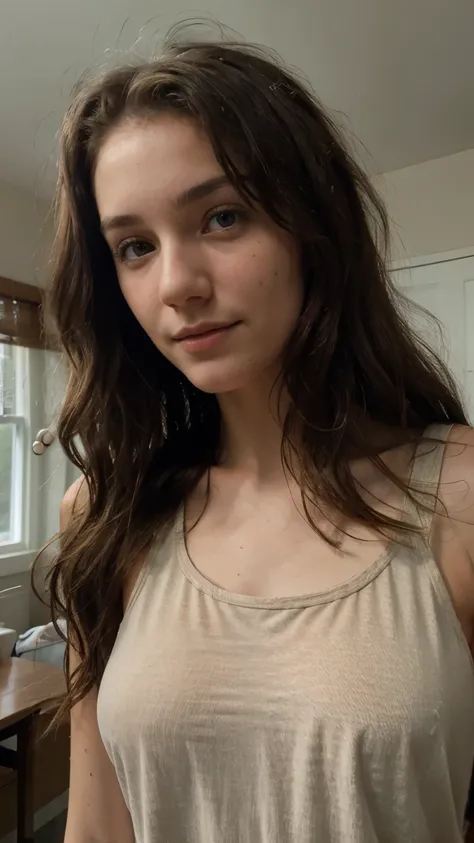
(206, 340)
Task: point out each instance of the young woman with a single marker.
(266, 571)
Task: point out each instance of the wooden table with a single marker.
(27, 689)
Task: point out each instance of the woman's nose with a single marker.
(183, 276)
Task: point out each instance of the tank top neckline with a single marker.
(206, 586)
(348, 587)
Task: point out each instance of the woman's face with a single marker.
(215, 284)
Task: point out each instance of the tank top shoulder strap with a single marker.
(426, 474)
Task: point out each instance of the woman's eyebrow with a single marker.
(120, 221)
(192, 194)
(200, 191)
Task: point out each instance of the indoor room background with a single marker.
(398, 75)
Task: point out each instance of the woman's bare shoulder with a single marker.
(75, 501)
(456, 489)
(453, 525)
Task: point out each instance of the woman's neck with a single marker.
(252, 425)
(253, 434)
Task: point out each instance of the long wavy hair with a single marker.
(141, 434)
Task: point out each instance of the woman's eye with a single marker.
(133, 250)
(223, 219)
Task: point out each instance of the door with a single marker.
(446, 290)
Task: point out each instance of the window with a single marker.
(12, 446)
(21, 337)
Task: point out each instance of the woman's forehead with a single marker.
(166, 159)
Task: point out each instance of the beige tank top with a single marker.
(340, 717)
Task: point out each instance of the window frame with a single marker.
(19, 421)
(27, 334)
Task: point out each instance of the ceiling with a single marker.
(399, 73)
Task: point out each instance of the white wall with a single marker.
(431, 205)
(25, 235)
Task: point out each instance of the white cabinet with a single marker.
(446, 290)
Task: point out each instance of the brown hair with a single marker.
(141, 434)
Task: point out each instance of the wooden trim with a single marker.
(22, 317)
(21, 292)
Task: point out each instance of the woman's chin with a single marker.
(214, 386)
(217, 382)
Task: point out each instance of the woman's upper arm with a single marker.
(97, 812)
